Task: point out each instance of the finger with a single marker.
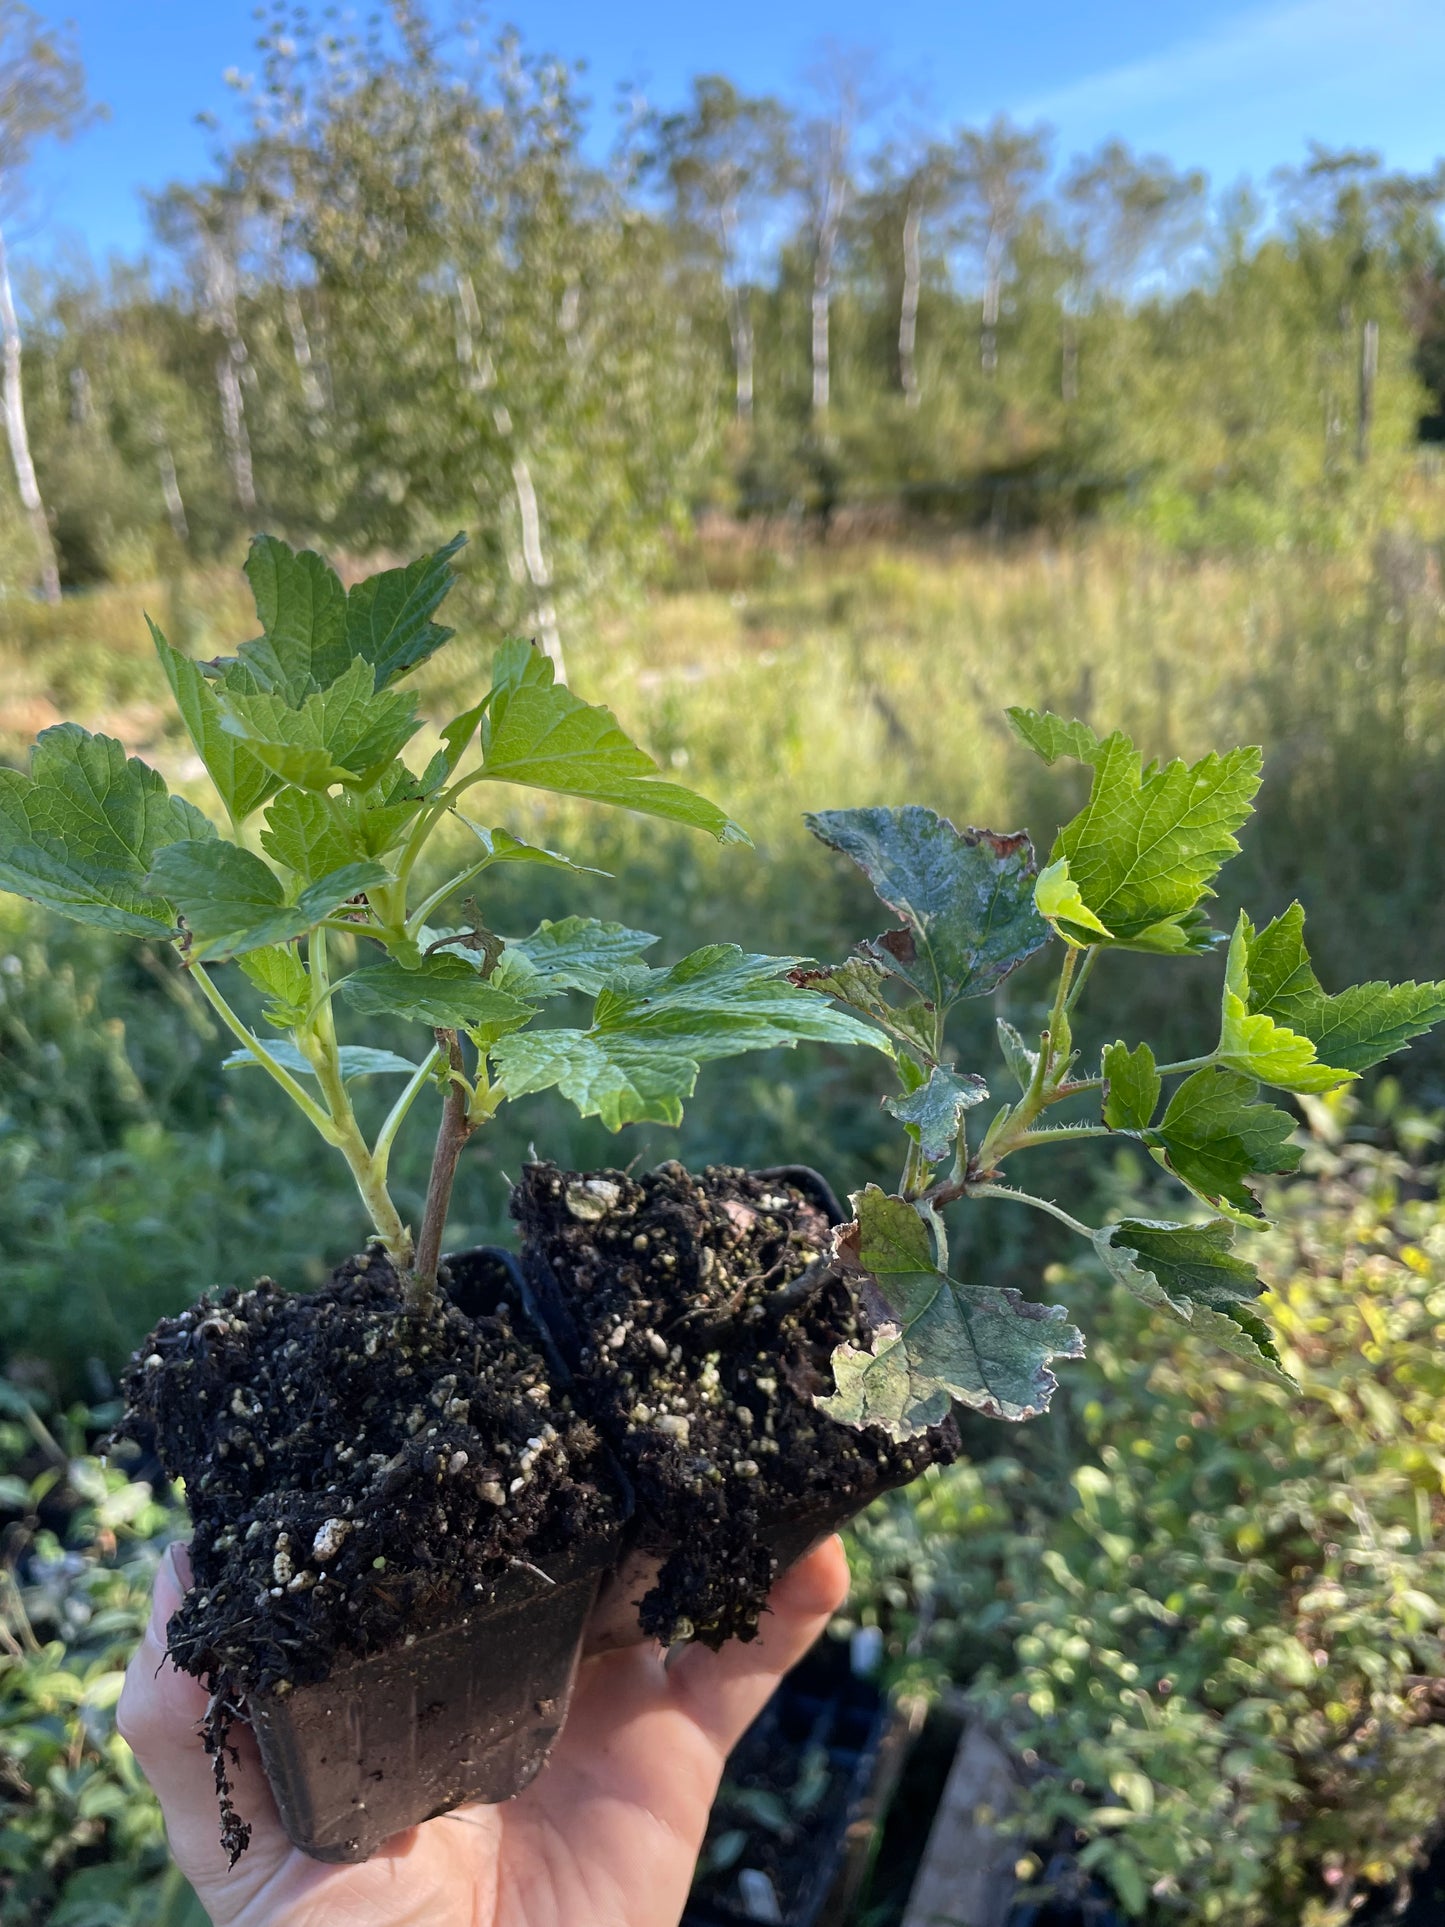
(723, 1692)
(159, 1715)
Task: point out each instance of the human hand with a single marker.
(606, 1836)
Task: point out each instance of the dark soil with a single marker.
(353, 1469)
(699, 1365)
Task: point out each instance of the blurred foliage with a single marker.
(1199, 1608)
(81, 1838)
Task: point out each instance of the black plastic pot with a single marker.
(466, 1709)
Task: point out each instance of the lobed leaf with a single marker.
(444, 992)
(1351, 1030)
(1190, 1271)
(302, 610)
(1131, 1087)
(389, 616)
(966, 897)
(1214, 1134)
(502, 847)
(345, 733)
(652, 1030)
(81, 832)
(1061, 905)
(537, 733)
(578, 953)
(279, 973)
(233, 902)
(1253, 1043)
(1143, 851)
(1022, 1061)
(858, 982)
(933, 1113)
(936, 1340)
(1051, 737)
(242, 780)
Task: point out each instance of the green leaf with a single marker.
(537, 733)
(302, 609)
(80, 833)
(445, 992)
(1214, 1135)
(502, 847)
(1251, 1042)
(233, 902)
(356, 1060)
(1131, 1087)
(458, 733)
(1022, 1061)
(344, 733)
(1352, 1030)
(858, 982)
(242, 781)
(652, 1031)
(578, 953)
(933, 1113)
(966, 897)
(389, 616)
(306, 833)
(1059, 903)
(934, 1339)
(1190, 1271)
(1051, 737)
(1144, 849)
(279, 972)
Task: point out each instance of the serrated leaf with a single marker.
(936, 1340)
(651, 1033)
(1051, 737)
(242, 781)
(966, 897)
(80, 833)
(306, 833)
(502, 847)
(578, 953)
(1189, 1271)
(1022, 1061)
(858, 982)
(1351, 1030)
(279, 973)
(389, 616)
(1253, 1043)
(458, 733)
(445, 992)
(1144, 849)
(302, 609)
(1059, 903)
(932, 1113)
(345, 733)
(233, 902)
(356, 1060)
(1214, 1134)
(537, 733)
(1131, 1087)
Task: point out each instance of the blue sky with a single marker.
(1235, 89)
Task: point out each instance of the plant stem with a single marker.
(1055, 1133)
(307, 1105)
(1027, 1197)
(317, 1038)
(1090, 958)
(418, 917)
(456, 1128)
(396, 1116)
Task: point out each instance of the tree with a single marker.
(1000, 170)
(912, 184)
(827, 180)
(724, 158)
(42, 94)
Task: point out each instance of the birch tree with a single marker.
(42, 94)
(724, 158)
(826, 155)
(1000, 170)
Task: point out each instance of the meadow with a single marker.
(783, 673)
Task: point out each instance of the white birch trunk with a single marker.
(992, 301)
(301, 353)
(18, 436)
(230, 366)
(823, 291)
(170, 484)
(908, 308)
(740, 327)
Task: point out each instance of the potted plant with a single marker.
(407, 1488)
